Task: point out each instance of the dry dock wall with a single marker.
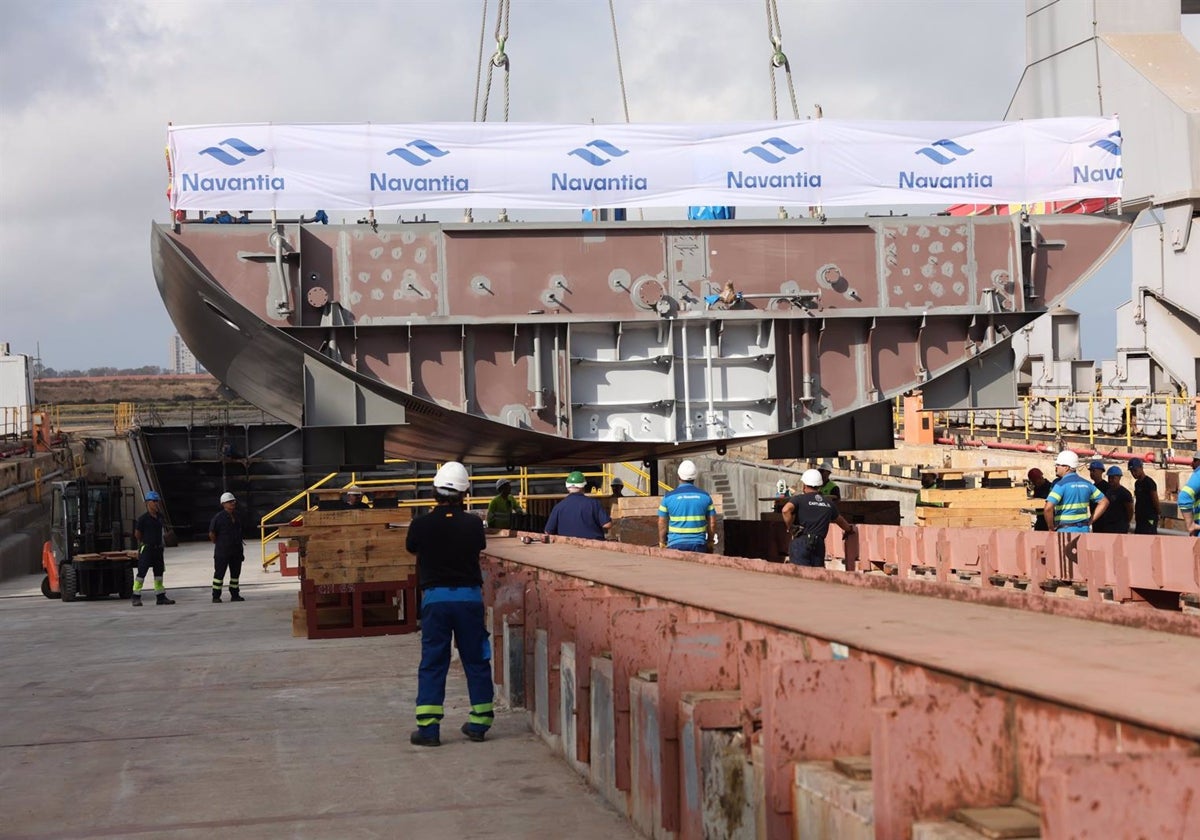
(716, 697)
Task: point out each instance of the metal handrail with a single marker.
(262, 523)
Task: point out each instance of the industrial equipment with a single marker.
(86, 553)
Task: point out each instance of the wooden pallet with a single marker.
(377, 608)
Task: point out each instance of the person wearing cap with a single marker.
(1189, 499)
(447, 542)
(225, 533)
(1039, 487)
(502, 506)
(782, 494)
(1096, 473)
(807, 517)
(828, 488)
(687, 517)
(578, 515)
(1146, 506)
(1067, 505)
(148, 532)
(1119, 512)
(354, 498)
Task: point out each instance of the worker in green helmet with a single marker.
(578, 515)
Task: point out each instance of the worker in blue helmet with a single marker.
(148, 531)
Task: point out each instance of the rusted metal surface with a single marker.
(536, 343)
(958, 705)
(1089, 798)
(1116, 567)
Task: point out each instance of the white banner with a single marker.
(525, 165)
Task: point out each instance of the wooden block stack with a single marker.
(356, 577)
(984, 507)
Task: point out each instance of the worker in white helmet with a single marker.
(1068, 506)
(447, 542)
(808, 516)
(687, 518)
(225, 532)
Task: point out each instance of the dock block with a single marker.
(812, 711)
(513, 660)
(602, 769)
(542, 711)
(922, 767)
(568, 707)
(829, 805)
(1121, 795)
(717, 797)
(646, 759)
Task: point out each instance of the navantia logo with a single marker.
(421, 146)
(1091, 174)
(598, 152)
(934, 151)
(238, 146)
(419, 153)
(586, 154)
(1109, 144)
(944, 153)
(777, 143)
(772, 150)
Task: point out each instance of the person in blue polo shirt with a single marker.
(1189, 499)
(686, 515)
(578, 515)
(1067, 506)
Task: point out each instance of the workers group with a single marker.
(1102, 504)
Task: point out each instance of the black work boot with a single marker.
(234, 595)
(216, 596)
(137, 600)
(476, 735)
(163, 599)
(423, 739)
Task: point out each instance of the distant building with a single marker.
(182, 360)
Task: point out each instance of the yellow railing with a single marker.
(521, 479)
(265, 522)
(123, 417)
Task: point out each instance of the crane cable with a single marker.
(779, 59)
(612, 16)
(498, 59)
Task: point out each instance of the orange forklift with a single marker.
(86, 555)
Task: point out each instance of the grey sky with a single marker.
(88, 86)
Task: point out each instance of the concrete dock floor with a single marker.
(181, 721)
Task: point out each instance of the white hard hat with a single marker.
(228, 497)
(687, 470)
(617, 482)
(1067, 458)
(353, 490)
(503, 482)
(452, 476)
(812, 478)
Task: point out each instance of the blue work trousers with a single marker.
(462, 620)
(805, 552)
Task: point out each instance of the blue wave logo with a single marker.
(421, 146)
(594, 159)
(237, 145)
(932, 151)
(1113, 147)
(777, 143)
